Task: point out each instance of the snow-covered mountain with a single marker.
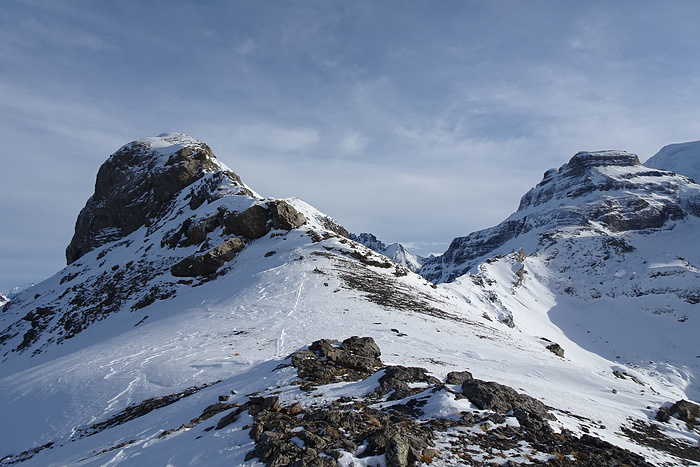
(601, 233)
(682, 158)
(192, 327)
(3, 300)
(605, 193)
(16, 290)
(395, 251)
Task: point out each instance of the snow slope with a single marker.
(233, 330)
(682, 158)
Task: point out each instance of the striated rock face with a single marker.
(613, 188)
(138, 183)
(607, 191)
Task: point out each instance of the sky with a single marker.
(418, 121)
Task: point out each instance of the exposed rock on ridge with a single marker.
(391, 421)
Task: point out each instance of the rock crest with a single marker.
(138, 183)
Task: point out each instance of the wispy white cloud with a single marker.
(246, 48)
(353, 143)
(267, 138)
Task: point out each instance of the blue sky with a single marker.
(418, 121)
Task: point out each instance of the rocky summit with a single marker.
(200, 323)
(139, 182)
(169, 206)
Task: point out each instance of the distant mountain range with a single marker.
(395, 251)
(200, 323)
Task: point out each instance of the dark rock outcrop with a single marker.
(209, 262)
(396, 379)
(326, 361)
(303, 434)
(252, 223)
(556, 349)
(685, 410)
(489, 395)
(258, 220)
(137, 184)
(458, 377)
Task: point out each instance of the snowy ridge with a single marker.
(682, 158)
(205, 302)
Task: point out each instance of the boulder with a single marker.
(258, 220)
(687, 411)
(556, 349)
(209, 262)
(396, 450)
(458, 377)
(489, 395)
(396, 379)
(284, 216)
(251, 223)
(326, 362)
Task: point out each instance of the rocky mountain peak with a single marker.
(179, 215)
(608, 192)
(587, 172)
(138, 183)
(614, 189)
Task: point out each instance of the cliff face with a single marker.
(607, 192)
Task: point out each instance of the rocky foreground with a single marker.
(392, 420)
(396, 424)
